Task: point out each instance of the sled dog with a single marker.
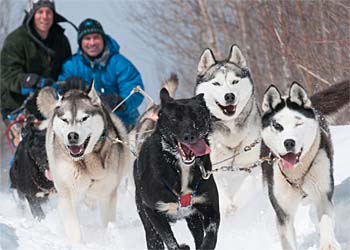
(83, 158)
(29, 173)
(298, 137)
(229, 95)
(168, 179)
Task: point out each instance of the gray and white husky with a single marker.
(84, 161)
(297, 135)
(229, 95)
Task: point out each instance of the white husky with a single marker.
(298, 136)
(229, 94)
(84, 161)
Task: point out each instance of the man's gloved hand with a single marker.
(112, 100)
(74, 82)
(33, 81)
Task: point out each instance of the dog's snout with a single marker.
(73, 138)
(289, 144)
(230, 98)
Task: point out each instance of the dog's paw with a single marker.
(333, 245)
(184, 247)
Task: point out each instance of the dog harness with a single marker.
(185, 200)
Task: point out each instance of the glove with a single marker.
(74, 82)
(112, 100)
(33, 81)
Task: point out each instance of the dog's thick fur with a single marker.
(297, 135)
(169, 184)
(229, 94)
(29, 171)
(84, 161)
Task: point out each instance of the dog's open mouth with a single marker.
(227, 110)
(77, 151)
(189, 152)
(290, 159)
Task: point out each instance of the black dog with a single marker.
(168, 179)
(27, 174)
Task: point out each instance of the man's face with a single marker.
(92, 44)
(43, 20)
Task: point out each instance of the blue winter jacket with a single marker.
(112, 73)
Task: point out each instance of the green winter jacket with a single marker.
(21, 54)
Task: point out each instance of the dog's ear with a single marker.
(164, 96)
(298, 95)
(92, 94)
(271, 99)
(237, 57)
(47, 101)
(206, 60)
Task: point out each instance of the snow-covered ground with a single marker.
(250, 227)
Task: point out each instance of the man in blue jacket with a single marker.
(98, 59)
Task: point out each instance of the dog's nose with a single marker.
(189, 138)
(73, 138)
(230, 98)
(289, 144)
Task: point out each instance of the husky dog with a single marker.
(229, 94)
(168, 178)
(298, 137)
(83, 158)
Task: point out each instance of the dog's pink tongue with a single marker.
(199, 148)
(289, 160)
(230, 108)
(75, 149)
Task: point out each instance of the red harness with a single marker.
(185, 200)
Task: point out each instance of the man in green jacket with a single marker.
(32, 55)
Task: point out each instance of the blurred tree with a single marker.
(4, 21)
(9, 14)
(9, 11)
(283, 41)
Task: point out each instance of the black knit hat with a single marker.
(34, 5)
(89, 26)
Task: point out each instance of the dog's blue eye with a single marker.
(216, 84)
(277, 126)
(235, 81)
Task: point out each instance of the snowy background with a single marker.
(251, 227)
